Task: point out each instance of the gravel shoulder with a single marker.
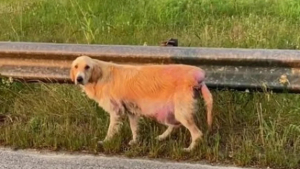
(31, 159)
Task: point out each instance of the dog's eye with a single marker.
(76, 66)
(87, 67)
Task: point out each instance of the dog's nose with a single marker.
(79, 79)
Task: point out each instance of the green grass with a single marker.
(249, 128)
(210, 23)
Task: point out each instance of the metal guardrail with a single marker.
(226, 68)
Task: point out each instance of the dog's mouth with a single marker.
(79, 83)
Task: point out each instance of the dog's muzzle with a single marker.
(79, 80)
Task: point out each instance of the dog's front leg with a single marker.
(114, 126)
(133, 120)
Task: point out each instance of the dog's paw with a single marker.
(132, 142)
(160, 138)
(187, 149)
(101, 142)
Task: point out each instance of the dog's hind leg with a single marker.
(165, 134)
(185, 106)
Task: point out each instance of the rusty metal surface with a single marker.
(229, 68)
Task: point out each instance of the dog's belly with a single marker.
(163, 114)
(166, 116)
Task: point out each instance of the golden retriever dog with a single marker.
(166, 93)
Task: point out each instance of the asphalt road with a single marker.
(30, 159)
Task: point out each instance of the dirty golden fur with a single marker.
(165, 93)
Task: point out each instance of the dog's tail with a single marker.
(208, 99)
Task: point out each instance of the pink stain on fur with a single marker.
(199, 76)
(166, 115)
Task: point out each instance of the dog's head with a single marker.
(85, 70)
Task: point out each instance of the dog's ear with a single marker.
(72, 74)
(96, 73)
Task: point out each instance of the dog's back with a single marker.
(153, 88)
(157, 81)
